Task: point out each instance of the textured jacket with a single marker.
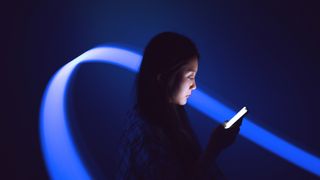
(145, 156)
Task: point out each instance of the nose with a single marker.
(193, 86)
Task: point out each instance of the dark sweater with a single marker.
(145, 156)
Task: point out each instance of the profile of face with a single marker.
(186, 83)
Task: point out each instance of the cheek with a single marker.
(184, 88)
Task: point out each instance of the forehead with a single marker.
(191, 66)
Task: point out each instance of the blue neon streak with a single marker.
(62, 157)
(60, 153)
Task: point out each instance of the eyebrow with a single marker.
(191, 70)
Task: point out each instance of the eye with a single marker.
(190, 77)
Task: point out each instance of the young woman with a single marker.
(159, 142)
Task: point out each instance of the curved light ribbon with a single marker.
(61, 156)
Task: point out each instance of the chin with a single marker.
(183, 103)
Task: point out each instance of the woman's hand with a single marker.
(222, 138)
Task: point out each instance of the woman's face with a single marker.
(187, 82)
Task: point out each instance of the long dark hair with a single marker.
(158, 77)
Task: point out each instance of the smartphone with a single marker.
(235, 118)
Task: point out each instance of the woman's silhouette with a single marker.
(158, 142)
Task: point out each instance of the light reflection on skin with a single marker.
(187, 82)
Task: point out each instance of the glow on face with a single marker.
(187, 82)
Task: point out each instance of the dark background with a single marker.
(263, 55)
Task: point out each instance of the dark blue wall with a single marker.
(261, 55)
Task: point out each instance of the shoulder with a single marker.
(145, 150)
(138, 132)
(134, 124)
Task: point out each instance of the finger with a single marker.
(222, 124)
(235, 129)
(235, 126)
